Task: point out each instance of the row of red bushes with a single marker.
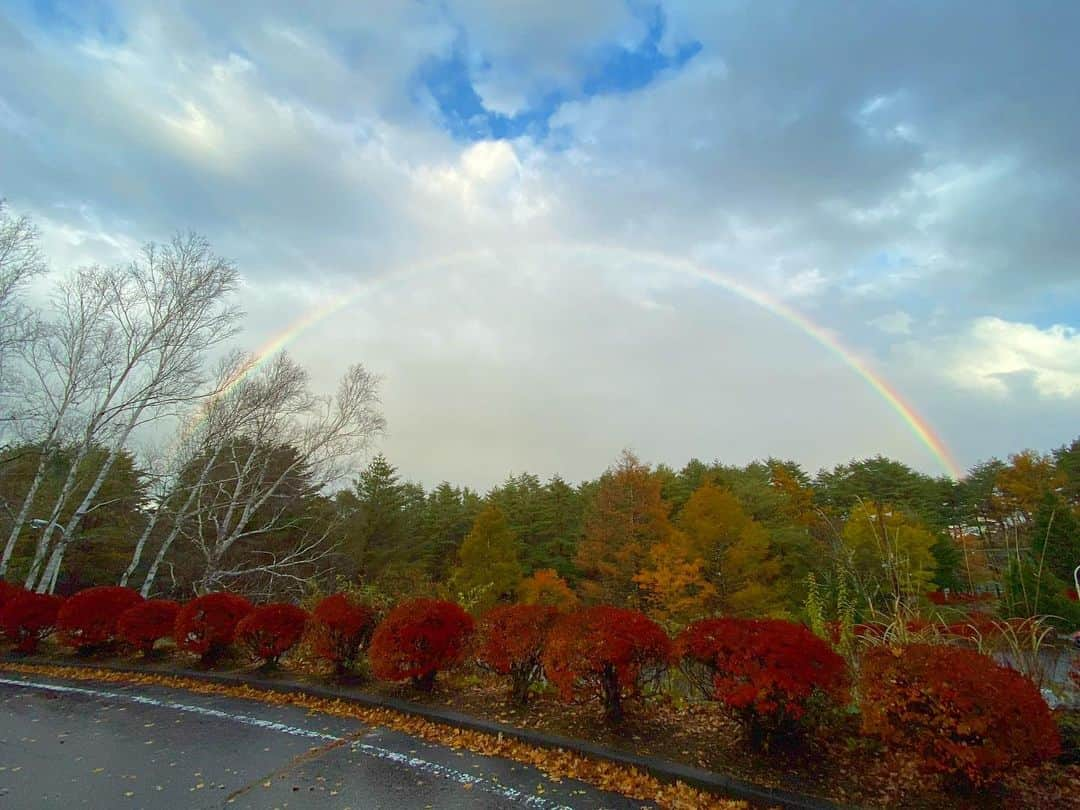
(963, 714)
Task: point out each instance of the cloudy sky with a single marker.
(537, 215)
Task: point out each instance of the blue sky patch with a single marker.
(608, 69)
(77, 18)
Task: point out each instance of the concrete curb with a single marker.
(664, 770)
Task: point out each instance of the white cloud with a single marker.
(894, 323)
(1003, 357)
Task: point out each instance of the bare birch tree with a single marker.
(201, 435)
(62, 365)
(245, 482)
(164, 312)
(20, 261)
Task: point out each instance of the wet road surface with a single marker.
(81, 744)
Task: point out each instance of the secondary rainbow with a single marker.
(820, 334)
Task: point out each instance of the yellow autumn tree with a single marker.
(677, 590)
(546, 587)
(734, 549)
(1022, 484)
(890, 553)
(626, 519)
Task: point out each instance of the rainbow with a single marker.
(917, 424)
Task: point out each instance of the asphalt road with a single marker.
(79, 744)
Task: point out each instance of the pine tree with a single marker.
(448, 514)
(1055, 538)
(377, 528)
(488, 560)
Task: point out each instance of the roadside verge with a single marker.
(660, 769)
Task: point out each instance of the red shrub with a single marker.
(964, 715)
(606, 653)
(27, 618)
(9, 590)
(269, 631)
(88, 618)
(143, 624)
(417, 639)
(340, 628)
(766, 670)
(206, 625)
(974, 626)
(958, 597)
(511, 640)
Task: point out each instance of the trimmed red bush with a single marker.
(340, 629)
(270, 631)
(9, 590)
(88, 618)
(27, 618)
(510, 641)
(417, 639)
(605, 653)
(765, 670)
(143, 624)
(206, 626)
(959, 711)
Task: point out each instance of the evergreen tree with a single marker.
(488, 560)
(1055, 538)
(1030, 593)
(377, 527)
(1067, 460)
(883, 480)
(448, 514)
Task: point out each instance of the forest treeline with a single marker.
(130, 457)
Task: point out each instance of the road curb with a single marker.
(664, 770)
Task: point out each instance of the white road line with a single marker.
(409, 761)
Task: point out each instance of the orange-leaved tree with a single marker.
(735, 549)
(546, 587)
(626, 519)
(677, 590)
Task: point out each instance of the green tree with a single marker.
(448, 514)
(1055, 537)
(488, 560)
(377, 527)
(105, 538)
(883, 480)
(1067, 460)
(1031, 592)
